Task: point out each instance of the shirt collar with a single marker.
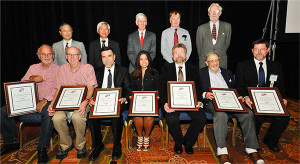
(211, 23)
(174, 28)
(211, 72)
(257, 61)
(69, 42)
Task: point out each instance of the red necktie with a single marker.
(142, 40)
(214, 32)
(175, 37)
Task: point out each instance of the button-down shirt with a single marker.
(105, 77)
(216, 80)
(167, 42)
(106, 42)
(217, 29)
(140, 33)
(65, 43)
(46, 88)
(264, 67)
(183, 71)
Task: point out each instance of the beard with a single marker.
(48, 61)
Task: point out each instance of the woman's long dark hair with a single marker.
(138, 70)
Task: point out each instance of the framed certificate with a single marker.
(267, 101)
(182, 96)
(107, 104)
(143, 103)
(21, 97)
(70, 97)
(226, 100)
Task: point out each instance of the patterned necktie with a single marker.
(109, 79)
(180, 74)
(214, 32)
(261, 76)
(66, 46)
(142, 40)
(103, 43)
(175, 37)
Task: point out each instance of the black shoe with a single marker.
(81, 153)
(8, 148)
(270, 146)
(117, 152)
(64, 153)
(96, 153)
(178, 149)
(42, 156)
(189, 149)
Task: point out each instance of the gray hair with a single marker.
(139, 15)
(39, 49)
(100, 23)
(210, 54)
(215, 4)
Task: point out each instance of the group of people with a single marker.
(66, 63)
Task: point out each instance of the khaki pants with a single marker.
(60, 124)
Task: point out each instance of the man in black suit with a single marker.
(94, 55)
(251, 73)
(216, 77)
(186, 72)
(110, 75)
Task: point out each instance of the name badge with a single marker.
(273, 77)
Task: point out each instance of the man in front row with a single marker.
(181, 71)
(216, 77)
(257, 72)
(73, 73)
(110, 75)
(44, 74)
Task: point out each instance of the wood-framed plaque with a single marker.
(144, 103)
(107, 104)
(21, 97)
(182, 95)
(226, 100)
(267, 101)
(70, 97)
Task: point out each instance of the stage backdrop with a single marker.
(27, 25)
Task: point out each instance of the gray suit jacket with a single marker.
(59, 50)
(134, 47)
(204, 42)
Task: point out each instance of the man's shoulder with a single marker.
(77, 42)
(121, 68)
(95, 42)
(203, 25)
(166, 30)
(204, 69)
(184, 30)
(225, 23)
(57, 43)
(133, 33)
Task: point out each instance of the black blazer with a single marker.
(94, 55)
(121, 79)
(246, 76)
(168, 73)
(149, 83)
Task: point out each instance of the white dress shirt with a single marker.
(105, 77)
(217, 29)
(106, 42)
(183, 71)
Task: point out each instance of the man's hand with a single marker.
(50, 110)
(82, 108)
(199, 104)
(167, 109)
(92, 102)
(40, 105)
(248, 102)
(209, 95)
(37, 78)
(285, 102)
(241, 98)
(122, 100)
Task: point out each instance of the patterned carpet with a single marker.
(289, 144)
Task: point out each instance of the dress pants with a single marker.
(198, 121)
(79, 122)
(246, 121)
(277, 126)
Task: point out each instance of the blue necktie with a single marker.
(261, 76)
(109, 79)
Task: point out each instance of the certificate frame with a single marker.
(137, 96)
(106, 92)
(237, 107)
(14, 91)
(60, 100)
(273, 95)
(189, 87)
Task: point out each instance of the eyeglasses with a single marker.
(46, 54)
(214, 61)
(178, 53)
(260, 49)
(214, 11)
(73, 55)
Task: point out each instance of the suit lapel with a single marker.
(220, 31)
(208, 33)
(100, 77)
(116, 72)
(137, 39)
(269, 70)
(253, 71)
(206, 78)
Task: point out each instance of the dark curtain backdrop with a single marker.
(26, 25)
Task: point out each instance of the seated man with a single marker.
(73, 73)
(216, 77)
(110, 75)
(181, 71)
(44, 74)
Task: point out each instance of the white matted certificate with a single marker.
(267, 101)
(143, 103)
(227, 100)
(21, 97)
(182, 96)
(70, 97)
(107, 104)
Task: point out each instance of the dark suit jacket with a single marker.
(168, 73)
(134, 46)
(149, 83)
(94, 55)
(121, 79)
(246, 76)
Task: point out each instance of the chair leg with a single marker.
(130, 134)
(161, 134)
(234, 131)
(199, 142)
(51, 143)
(204, 136)
(21, 136)
(126, 134)
(167, 136)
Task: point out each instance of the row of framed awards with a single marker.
(22, 97)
